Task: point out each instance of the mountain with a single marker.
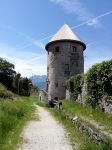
(39, 80)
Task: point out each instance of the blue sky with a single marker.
(27, 25)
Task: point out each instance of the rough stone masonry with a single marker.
(64, 59)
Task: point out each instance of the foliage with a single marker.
(6, 73)
(34, 89)
(13, 115)
(99, 82)
(12, 80)
(74, 84)
(24, 88)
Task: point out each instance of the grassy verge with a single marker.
(40, 103)
(13, 116)
(77, 109)
(79, 141)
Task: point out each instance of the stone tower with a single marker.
(64, 59)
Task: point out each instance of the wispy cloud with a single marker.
(88, 22)
(77, 8)
(28, 64)
(93, 20)
(31, 41)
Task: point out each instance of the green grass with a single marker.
(77, 109)
(13, 116)
(40, 103)
(79, 141)
(4, 93)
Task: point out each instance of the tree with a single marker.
(24, 87)
(6, 73)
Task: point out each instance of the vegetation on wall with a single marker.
(75, 84)
(98, 80)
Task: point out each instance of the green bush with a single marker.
(99, 82)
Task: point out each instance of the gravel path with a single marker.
(45, 134)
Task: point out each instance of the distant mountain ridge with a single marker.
(39, 80)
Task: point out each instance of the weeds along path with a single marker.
(45, 134)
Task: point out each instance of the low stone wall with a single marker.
(82, 126)
(106, 104)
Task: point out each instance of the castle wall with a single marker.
(62, 64)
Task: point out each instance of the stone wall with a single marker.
(105, 104)
(43, 96)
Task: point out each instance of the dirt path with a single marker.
(45, 134)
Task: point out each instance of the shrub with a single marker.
(99, 82)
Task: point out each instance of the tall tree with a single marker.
(6, 73)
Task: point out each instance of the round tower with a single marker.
(64, 59)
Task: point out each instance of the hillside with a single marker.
(15, 111)
(4, 93)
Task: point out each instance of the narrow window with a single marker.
(47, 86)
(56, 85)
(76, 63)
(67, 67)
(47, 69)
(57, 48)
(66, 73)
(74, 49)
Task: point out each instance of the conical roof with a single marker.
(65, 33)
